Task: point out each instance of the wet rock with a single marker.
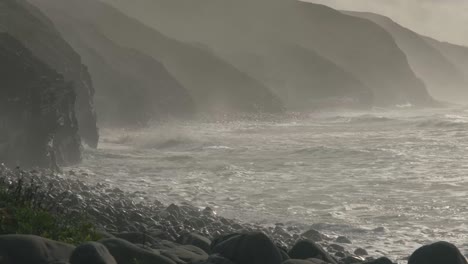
(437, 253)
(351, 260)
(361, 252)
(91, 253)
(336, 247)
(340, 254)
(306, 249)
(126, 252)
(382, 260)
(216, 259)
(250, 248)
(182, 254)
(136, 238)
(28, 249)
(195, 239)
(313, 235)
(343, 240)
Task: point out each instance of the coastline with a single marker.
(116, 214)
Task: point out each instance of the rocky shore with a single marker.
(127, 229)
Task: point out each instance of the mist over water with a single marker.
(389, 179)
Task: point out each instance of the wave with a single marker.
(369, 118)
(164, 137)
(324, 151)
(446, 121)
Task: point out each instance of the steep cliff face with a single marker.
(37, 110)
(131, 88)
(215, 86)
(240, 29)
(442, 77)
(31, 27)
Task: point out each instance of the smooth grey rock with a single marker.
(125, 252)
(28, 249)
(195, 240)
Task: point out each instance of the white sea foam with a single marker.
(390, 180)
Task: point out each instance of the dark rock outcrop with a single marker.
(28, 25)
(437, 253)
(27, 249)
(37, 111)
(443, 79)
(215, 86)
(342, 55)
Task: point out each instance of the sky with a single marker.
(446, 20)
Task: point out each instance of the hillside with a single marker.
(242, 30)
(215, 86)
(131, 88)
(443, 77)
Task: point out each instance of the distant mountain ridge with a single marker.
(444, 79)
(215, 85)
(242, 30)
(132, 88)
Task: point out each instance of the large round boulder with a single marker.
(91, 253)
(29, 249)
(437, 253)
(250, 248)
(306, 249)
(126, 252)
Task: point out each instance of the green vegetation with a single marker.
(24, 209)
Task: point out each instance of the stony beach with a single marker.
(131, 231)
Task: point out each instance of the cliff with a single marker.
(28, 25)
(245, 31)
(443, 78)
(132, 88)
(215, 86)
(37, 111)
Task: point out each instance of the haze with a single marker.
(442, 19)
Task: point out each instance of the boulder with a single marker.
(249, 248)
(91, 253)
(194, 239)
(181, 254)
(28, 249)
(382, 260)
(306, 249)
(216, 259)
(126, 252)
(437, 253)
